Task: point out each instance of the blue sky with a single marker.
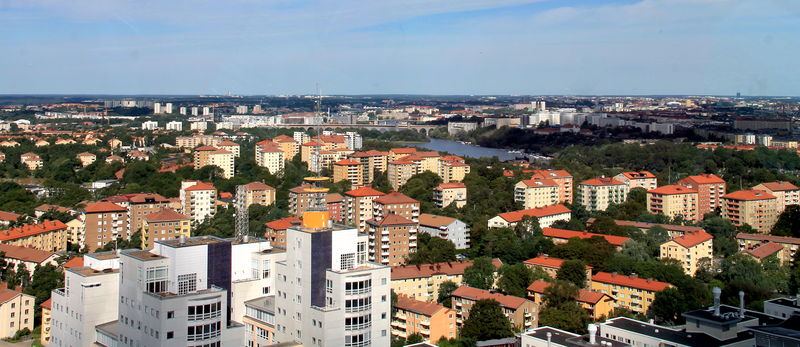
(393, 46)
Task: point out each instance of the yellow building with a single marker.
(638, 179)
(229, 146)
(674, 201)
(86, 158)
(523, 314)
(597, 194)
(207, 155)
(271, 157)
(535, 193)
(598, 304)
(550, 265)
(631, 292)
(288, 145)
(453, 171)
(259, 321)
(31, 160)
(763, 243)
(308, 150)
(75, 231)
(47, 236)
(754, 207)
(372, 161)
(349, 170)
(786, 193)
(428, 319)
(16, 311)
(689, 249)
(44, 337)
(400, 171)
(450, 193)
(164, 225)
(422, 282)
(562, 178)
(258, 193)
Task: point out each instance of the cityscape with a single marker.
(508, 173)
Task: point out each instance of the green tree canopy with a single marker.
(486, 321)
(573, 271)
(480, 274)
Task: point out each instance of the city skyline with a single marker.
(651, 47)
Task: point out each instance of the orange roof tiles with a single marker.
(390, 219)
(257, 186)
(206, 148)
(453, 268)
(370, 153)
(516, 216)
(31, 229)
(283, 223)
(74, 262)
(749, 195)
(704, 179)
(475, 294)
(200, 186)
(772, 238)
(568, 234)
(451, 185)
(364, 191)
(547, 261)
(434, 221)
(403, 150)
(630, 281)
(395, 198)
(672, 189)
(425, 308)
(779, 186)
(347, 162)
(165, 215)
(25, 253)
(584, 295)
(540, 182)
(693, 238)
(551, 174)
(764, 250)
(9, 216)
(101, 207)
(601, 181)
(638, 175)
(47, 304)
(7, 294)
(333, 198)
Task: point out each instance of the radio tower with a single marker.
(242, 223)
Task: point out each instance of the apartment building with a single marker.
(448, 228)
(448, 193)
(689, 249)
(452, 169)
(754, 207)
(764, 243)
(46, 236)
(271, 157)
(550, 265)
(212, 156)
(30, 258)
(259, 321)
(674, 201)
(44, 331)
(139, 205)
(546, 215)
(336, 206)
(328, 294)
(196, 141)
(631, 292)
(786, 193)
(258, 193)
(391, 239)
(288, 145)
(562, 178)
(301, 198)
(31, 160)
(597, 194)
(428, 319)
(710, 189)
(16, 311)
(349, 170)
(308, 150)
(598, 304)
(86, 158)
(535, 193)
(395, 203)
(422, 281)
(400, 171)
(164, 225)
(229, 146)
(672, 229)
(561, 236)
(372, 161)
(104, 223)
(358, 207)
(275, 231)
(638, 179)
(523, 314)
(198, 200)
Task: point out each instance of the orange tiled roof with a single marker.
(779, 186)
(370, 153)
(749, 195)
(540, 182)
(390, 219)
(395, 198)
(672, 189)
(630, 281)
(704, 179)
(165, 215)
(257, 186)
(584, 295)
(364, 191)
(547, 261)
(764, 250)
(9, 216)
(772, 238)
(432, 220)
(347, 162)
(206, 149)
(403, 150)
(200, 186)
(539, 212)
(693, 238)
(451, 185)
(46, 304)
(283, 223)
(568, 234)
(74, 262)
(26, 254)
(601, 181)
(475, 294)
(425, 308)
(453, 268)
(551, 174)
(638, 175)
(31, 229)
(100, 207)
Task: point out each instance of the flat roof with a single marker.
(192, 241)
(565, 338)
(104, 255)
(111, 328)
(264, 303)
(730, 314)
(87, 271)
(784, 302)
(143, 255)
(671, 335)
(333, 227)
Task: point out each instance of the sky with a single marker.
(273, 47)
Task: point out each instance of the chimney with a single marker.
(182, 239)
(592, 334)
(741, 304)
(245, 238)
(717, 293)
(634, 275)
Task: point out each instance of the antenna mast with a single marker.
(242, 220)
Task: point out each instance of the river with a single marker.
(465, 150)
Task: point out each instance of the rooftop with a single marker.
(101, 207)
(165, 214)
(432, 220)
(191, 241)
(631, 281)
(391, 219)
(693, 238)
(634, 175)
(703, 179)
(779, 186)
(673, 336)
(25, 254)
(601, 181)
(395, 198)
(426, 308)
(516, 216)
(749, 195)
(475, 294)
(453, 268)
(142, 255)
(568, 234)
(672, 189)
(764, 250)
(31, 230)
(264, 303)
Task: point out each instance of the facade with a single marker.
(86, 158)
(631, 292)
(212, 156)
(391, 239)
(358, 206)
(786, 193)
(139, 205)
(395, 203)
(674, 201)
(301, 198)
(31, 160)
(258, 193)
(535, 193)
(271, 157)
(450, 229)
(428, 319)
(598, 193)
(422, 281)
(44, 337)
(288, 145)
(229, 146)
(372, 161)
(448, 193)
(689, 250)
(598, 304)
(46, 236)
(16, 310)
(453, 169)
(336, 205)
(752, 242)
(104, 223)
(30, 258)
(547, 216)
(259, 321)
(550, 265)
(275, 231)
(523, 314)
(198, 200)
(638, 179)
(400, 171)
(164, 225)
(710, 189)
(349, 170)
(754, 207)
(562, 178)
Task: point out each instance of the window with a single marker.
(347, 261)
(170, 314)
(156, 280)
(187, 283)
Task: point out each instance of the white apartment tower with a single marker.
(182, 110)
(328, 294)
(168, 108)
(157, 108)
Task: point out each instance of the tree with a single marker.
(414, 338)
(561, 310)
(480, 274)
(486, 321)
(594, 251)
(432, 249)
(446, 290)
(788, 223)
(23, 275)
(515, 279)
(573, 271)
(668, 306)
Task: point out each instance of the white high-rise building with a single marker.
(89, 299)
(353, 140)
(168, 108)
(182, 110)
(195, 111)
(175, 125)
(328, 294)
(206, 111)
(199, 126)
(241, 109)
(150, 125)
(157, 108)
(256, 108)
